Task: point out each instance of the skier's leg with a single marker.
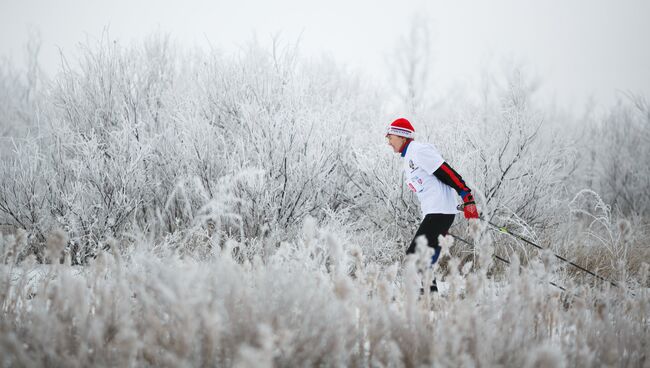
(440, 226)
(444, 223)
(433, 226)
(422, 230)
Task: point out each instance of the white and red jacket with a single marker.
(434, 182)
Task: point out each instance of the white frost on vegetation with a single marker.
(165, 207)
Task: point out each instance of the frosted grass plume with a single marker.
(55, 244)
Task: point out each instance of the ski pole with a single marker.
(505, 230)
(500, 258)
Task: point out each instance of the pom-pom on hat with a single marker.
(402, 128)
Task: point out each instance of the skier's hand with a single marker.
(469, 207)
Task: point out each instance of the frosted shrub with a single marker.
(216, 210)
(128, 125)
(121, 130)
(615, 153)
(601, 239)
(294, 309)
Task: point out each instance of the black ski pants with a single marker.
(434, 224)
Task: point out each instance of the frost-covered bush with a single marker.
(315, 300)
(130, 127)
(615, 154)
(171, 145)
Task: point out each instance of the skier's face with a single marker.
(396, 142)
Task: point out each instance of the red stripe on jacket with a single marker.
(449, 171)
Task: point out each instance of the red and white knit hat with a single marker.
(402, 128)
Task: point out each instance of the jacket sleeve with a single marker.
(450, 177)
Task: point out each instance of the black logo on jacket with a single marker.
(411, 165)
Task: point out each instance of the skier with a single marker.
(434, 182)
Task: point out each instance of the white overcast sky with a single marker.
(579, 48)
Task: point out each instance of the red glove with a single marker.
(469, 206)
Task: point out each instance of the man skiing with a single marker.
(434, 183)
